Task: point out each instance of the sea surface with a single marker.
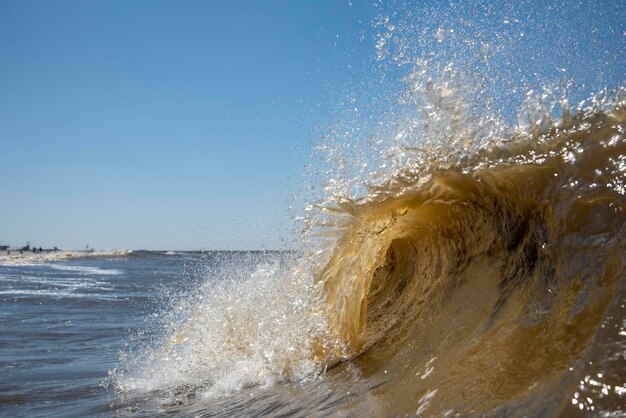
(64, 323)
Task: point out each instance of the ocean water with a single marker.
(65, 323)
(62, 325)
(487, 309)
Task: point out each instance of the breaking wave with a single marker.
(498, 269)
(465, 254)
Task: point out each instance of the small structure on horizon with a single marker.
(28, 248)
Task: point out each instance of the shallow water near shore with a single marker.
(64, 323)
(70, 319)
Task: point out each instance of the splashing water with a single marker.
(465, 251)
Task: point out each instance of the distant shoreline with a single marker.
(27, 257)
(16, 258)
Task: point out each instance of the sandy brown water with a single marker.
(494, 288)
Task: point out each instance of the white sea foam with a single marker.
(54, 286)
(58, 281)
(86, 270)
(29, 259)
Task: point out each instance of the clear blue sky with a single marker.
(188, 124)
(148, 124)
